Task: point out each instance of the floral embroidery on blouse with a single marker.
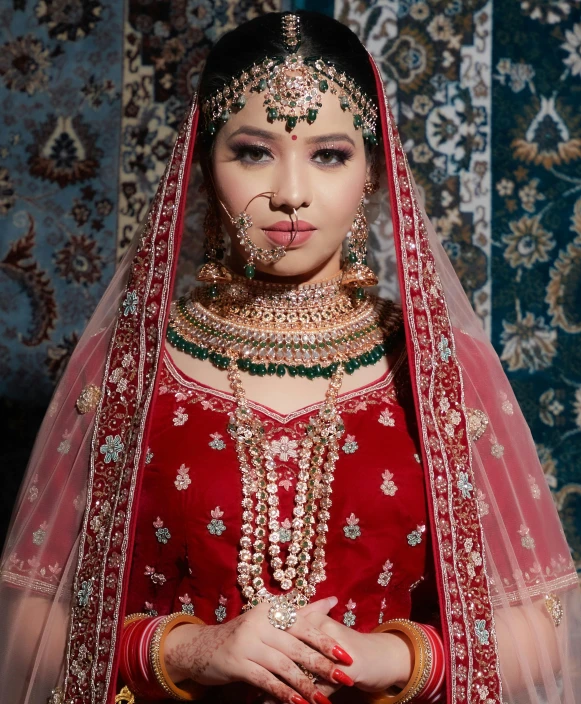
(285, 448)
(386, 418)
(183, 481)
(285, 531)
(349, 616)
(352, 530)
(187, 606)
(527, 541)
(216, 525)
(149, 609)
(217, 443)
(535, 491)
(127, 361)
(388, 487)
(221, 610)
(162, 533)
(39, 535)
(180, 416)
(148, 456)
(415, 537)
(350, 445)
(386, 574)
(382, 607)
(156, 577)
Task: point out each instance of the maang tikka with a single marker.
(356, 273)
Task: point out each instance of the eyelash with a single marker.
(242, 150)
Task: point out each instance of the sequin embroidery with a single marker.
(415, 537)
(217, 443)
(386, 574)
(216, 525)
(183, 480)
(350, 445)
(527, 541)
(386, 418)
(162, 534)
(156, 577)
(349, 617)
(180, 416)
(187, 606)
(221, 610)
(388, 487)
(352, 530)
(285, 448)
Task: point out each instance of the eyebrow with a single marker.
(265, 134)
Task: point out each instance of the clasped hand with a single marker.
(248, 649)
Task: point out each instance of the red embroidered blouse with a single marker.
(189, 515)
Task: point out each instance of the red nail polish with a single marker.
(342, 656)
(297, 699)
(320, 698)
(343, 678)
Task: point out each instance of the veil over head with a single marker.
(506, 583)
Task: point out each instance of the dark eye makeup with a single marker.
(328, 156)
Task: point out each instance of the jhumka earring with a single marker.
(213, 271)
(356, 274)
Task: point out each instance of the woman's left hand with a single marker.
(380, 660)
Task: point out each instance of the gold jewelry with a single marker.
(194, 690)
(422, 662)
(307, 330)
(292, 88)
(213, 271)
(311, 675)
(356, 273)
(282, 614)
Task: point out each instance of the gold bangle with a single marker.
(134, 617)
(193, 690)
(422, 662)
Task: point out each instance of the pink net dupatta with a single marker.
(508, 592)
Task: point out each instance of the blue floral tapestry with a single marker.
(488, 97)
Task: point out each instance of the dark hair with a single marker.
(251, 42)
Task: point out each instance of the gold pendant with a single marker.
(125, 696)
(358, 276)
(214, 273)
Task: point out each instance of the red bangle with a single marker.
(434, 687)
(134, 667)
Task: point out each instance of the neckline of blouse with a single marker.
(384, 380)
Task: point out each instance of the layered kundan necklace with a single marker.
(309, 330)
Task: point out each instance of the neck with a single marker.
(326, 270)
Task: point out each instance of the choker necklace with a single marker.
(308, 330)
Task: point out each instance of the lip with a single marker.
(287, 226)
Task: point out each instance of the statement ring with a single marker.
(282, 614)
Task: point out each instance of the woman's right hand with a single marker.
(249, 649)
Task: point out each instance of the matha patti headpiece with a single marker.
(292, 89)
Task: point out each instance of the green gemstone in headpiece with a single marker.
(272, 114)
(261, 85)
(344, 102)
(225, 116)
(291, 122)
(240, 101)
(312, 115)
(323, 86)
(357, 121)
(212, 128)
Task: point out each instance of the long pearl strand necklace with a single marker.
(317, 458)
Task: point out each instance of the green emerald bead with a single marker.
(357, 121)
(225, 116)
(203, 353)
(344, 102)
(249, 271)
(372, 140)
(271, 369)
(323, 86)
(261, 370)
(349, 369)
(253, 369)
(213, 291)
(240, 101)
(292, 104)
(355, 362)
(278, 98)
(317, 370)
(359, 294)
(244, 364)
(352, 257)
(302, 370)
(272, 114)
(310, 373)
(212, 129)
(291, 122)
(262, 84)
(312, 115)
(292, 371)
(280, 370)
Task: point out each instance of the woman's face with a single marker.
(317, 169)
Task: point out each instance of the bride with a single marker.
(280, 485)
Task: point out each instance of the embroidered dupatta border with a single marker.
(119, 435)
(465, 601)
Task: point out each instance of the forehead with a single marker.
(331, 118)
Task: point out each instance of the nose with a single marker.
(292, 188)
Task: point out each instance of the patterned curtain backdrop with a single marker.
(488, 96)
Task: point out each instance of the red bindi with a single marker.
(294, 136)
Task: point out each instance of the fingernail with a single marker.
(333, 601)
(342, 677)
(297, 699)
(342, 656)
(320, 698)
